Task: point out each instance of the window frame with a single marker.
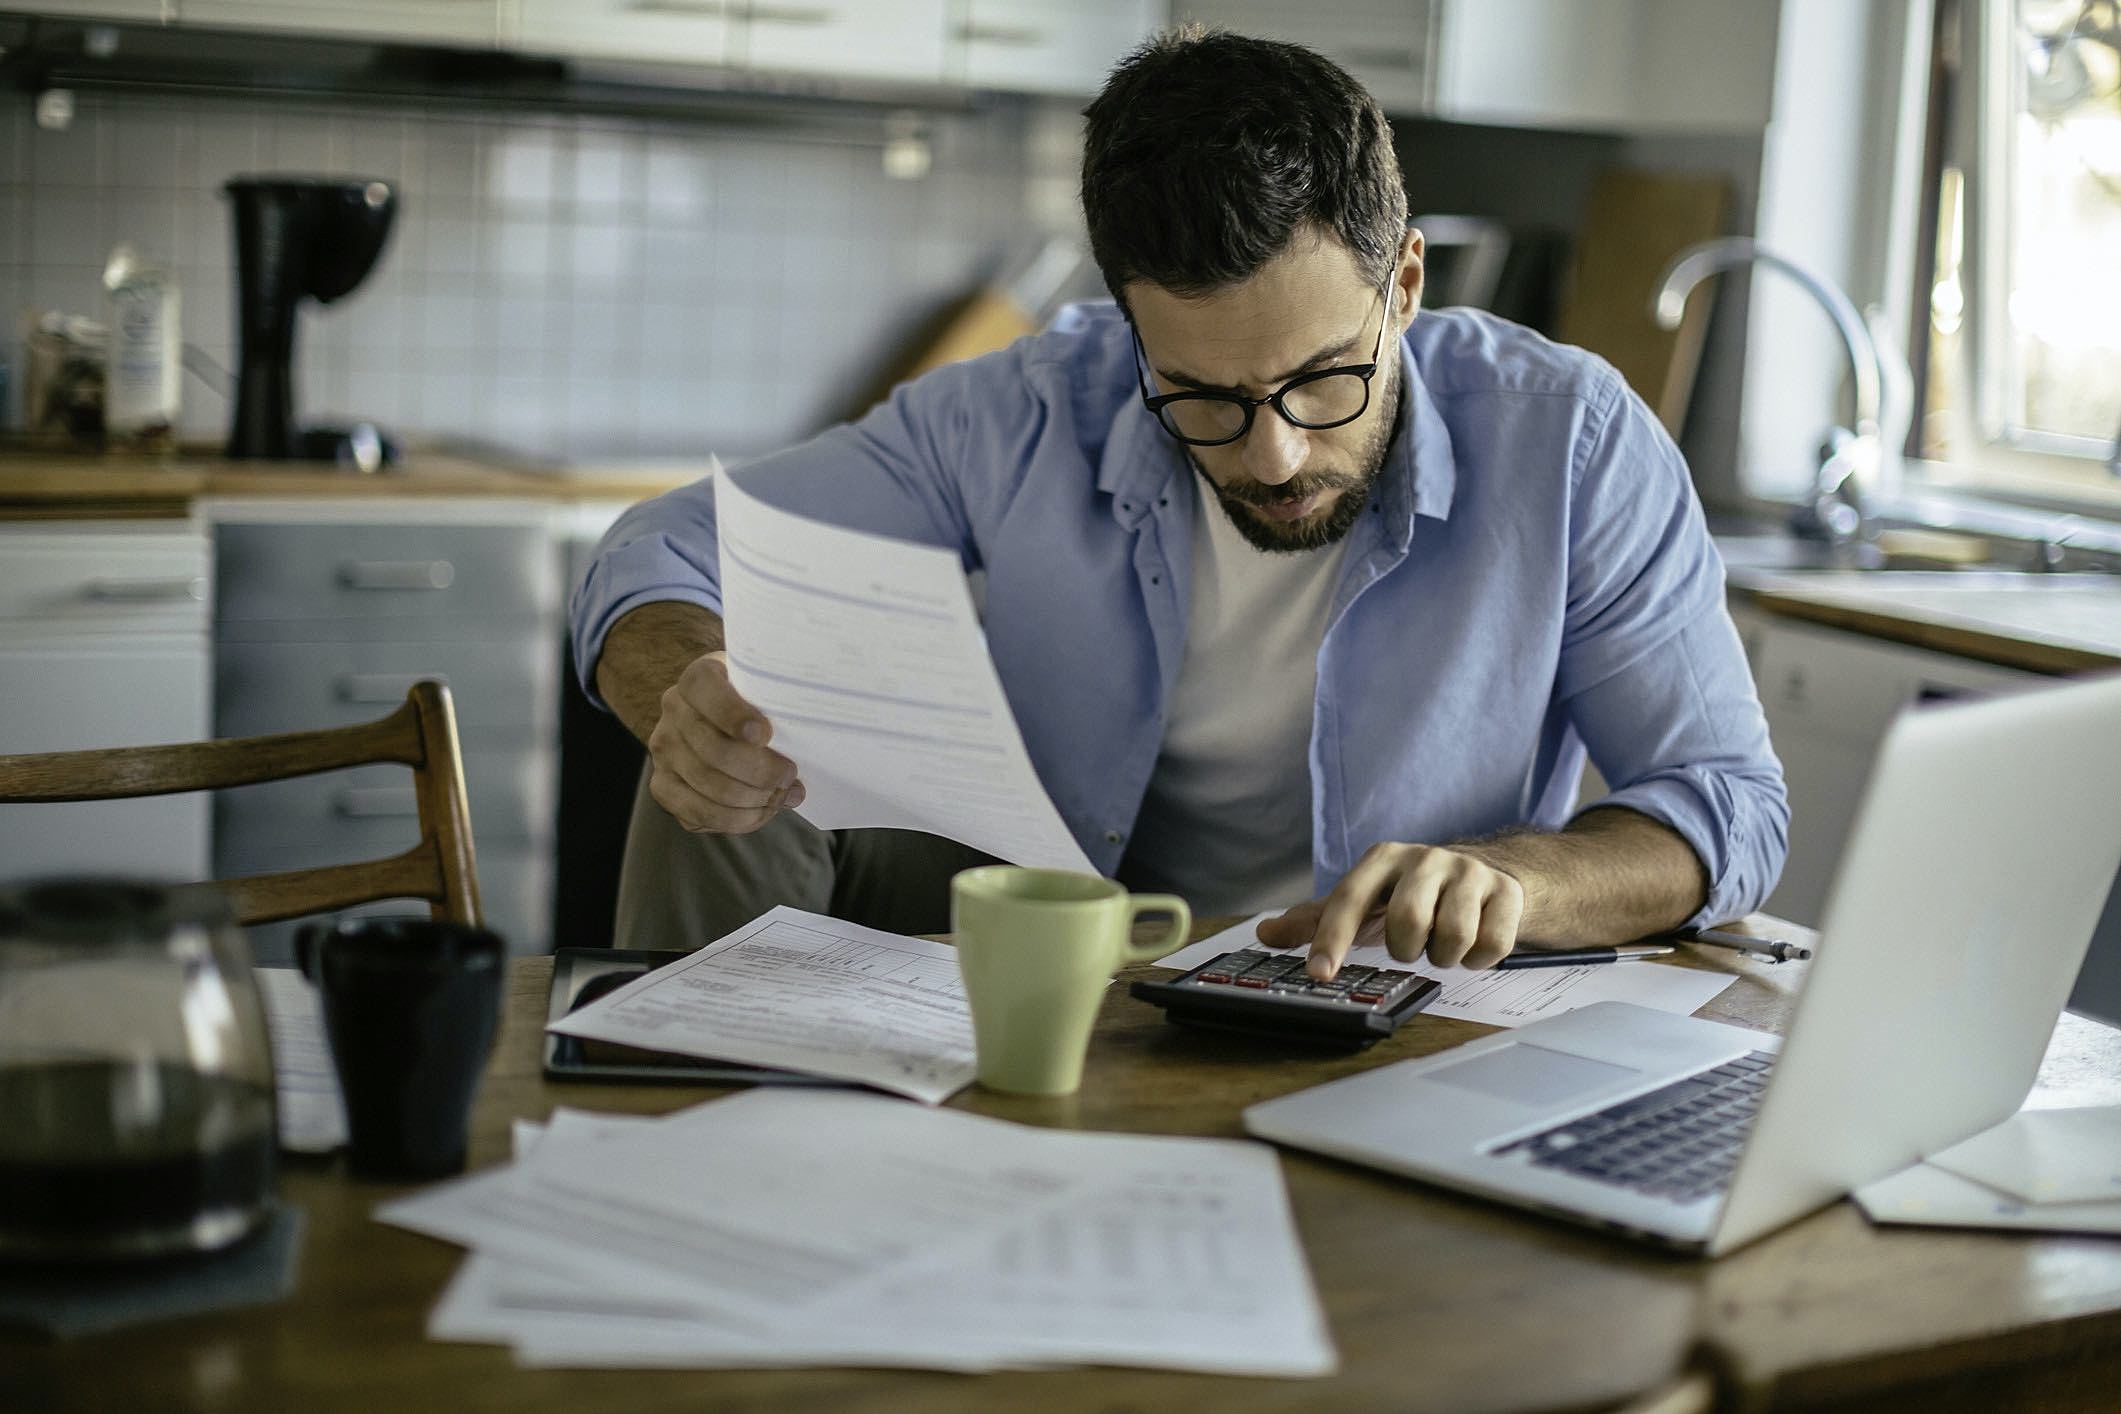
(1982, 448)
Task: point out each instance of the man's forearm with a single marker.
(1611, 875)
(645, 653)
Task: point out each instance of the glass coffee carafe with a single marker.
(136, 1083)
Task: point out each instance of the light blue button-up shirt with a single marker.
(1532, 578)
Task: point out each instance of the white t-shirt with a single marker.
(1226, 823)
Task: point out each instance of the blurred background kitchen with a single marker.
(624, 236)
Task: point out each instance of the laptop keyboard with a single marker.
(1680, 1142)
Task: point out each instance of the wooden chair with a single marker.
(421, 734)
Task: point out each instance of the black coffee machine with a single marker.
(298, 236)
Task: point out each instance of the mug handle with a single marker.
(1181, 924)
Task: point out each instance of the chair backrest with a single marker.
(421, 734)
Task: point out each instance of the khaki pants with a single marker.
(678, 889)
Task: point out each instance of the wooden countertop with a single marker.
(2042, 623)
(61, 485)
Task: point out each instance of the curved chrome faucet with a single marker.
(1835, 513)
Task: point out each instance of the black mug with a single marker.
(411, 1006)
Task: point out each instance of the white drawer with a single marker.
(120, 579)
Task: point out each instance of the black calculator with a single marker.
(1268, 994)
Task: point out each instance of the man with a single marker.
(1301, 597)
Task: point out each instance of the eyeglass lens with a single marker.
(1321, 402)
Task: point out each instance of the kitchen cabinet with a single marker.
(1389, 45)
(670, 31)
(328, 612)
(1046, 46)
(1617, 65)
(104, 641)
(473, 23)
(1829, 698)
(866, 39)
(136, 11)
(1620, 65)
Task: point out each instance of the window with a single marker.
(2022, 375)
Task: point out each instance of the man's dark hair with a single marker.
(1206, 152)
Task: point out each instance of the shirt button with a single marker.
(1113, 837)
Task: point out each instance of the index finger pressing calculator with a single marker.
(1268, 994)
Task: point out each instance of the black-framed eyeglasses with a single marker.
(1322, 398)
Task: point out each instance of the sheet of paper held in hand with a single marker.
(867, 656)
(1503, 998)
(799, 991)
(1168, 1252)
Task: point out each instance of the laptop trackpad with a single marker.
(1526, 1074)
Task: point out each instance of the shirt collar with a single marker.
(1421, 471)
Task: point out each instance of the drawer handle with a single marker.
(376, 803)
(397, 574)
(681, 9)
(185, 589)
(381, 688)
(1373, 56)
(1019, 36)
(803, 15)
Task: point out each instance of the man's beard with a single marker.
(1278, 538)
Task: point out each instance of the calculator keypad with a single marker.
(1282, 974)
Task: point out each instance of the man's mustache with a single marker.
(1254, 493)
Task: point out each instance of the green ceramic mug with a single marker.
(1036, 948)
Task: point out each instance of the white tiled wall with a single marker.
(568, 286)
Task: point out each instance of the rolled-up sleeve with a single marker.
(1652, 672)
(659, 551)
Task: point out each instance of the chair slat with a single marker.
(269, 898)
(422, 734)
(132, 771)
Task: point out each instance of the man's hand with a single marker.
(1462, 910)
(1609, 875)
(713, 770)
(664, 673)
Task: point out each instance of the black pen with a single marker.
(1582, 957)
(1773, 949)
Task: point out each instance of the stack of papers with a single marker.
(1502, 998)
(812, 1227)
(800, 991)
(2042, 1170)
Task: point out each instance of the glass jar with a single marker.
(136, 1083)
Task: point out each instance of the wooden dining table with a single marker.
(1435, 1301)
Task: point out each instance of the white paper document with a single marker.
(800, 991)
(1503, 998)
(831, 1228)
(312, 1111)
(1928, 1196)
(866, 655)
(752, 1209)
(2045, 1156)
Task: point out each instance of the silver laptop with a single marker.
(1985, 845)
